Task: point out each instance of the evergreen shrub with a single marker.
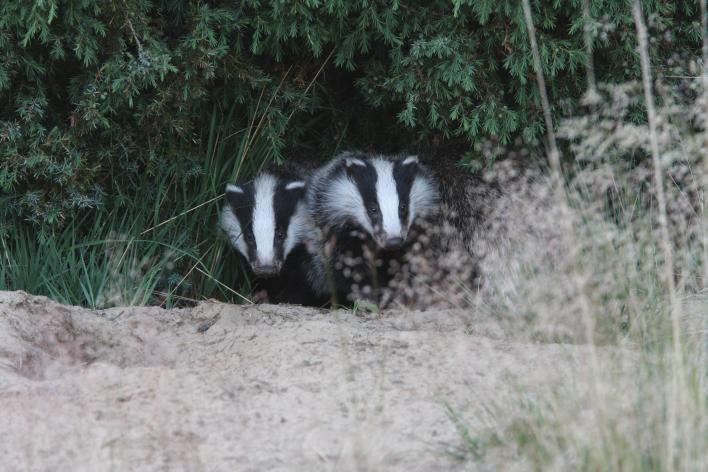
(97, 94)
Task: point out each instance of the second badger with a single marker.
(267, 222)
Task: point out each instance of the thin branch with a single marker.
(225, 286)
(307, 89)
(249, 143)
(182, 214)
(132, 30)
(171, 292)
(553, 154)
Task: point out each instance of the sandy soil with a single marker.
(225, 387)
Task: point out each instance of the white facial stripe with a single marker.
(231, 226)
(231, 188)
(294, 185)
(296, 229)
(343, 201)
(387, 196)
(424, 198)
(264, 218)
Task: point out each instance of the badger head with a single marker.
(264, 220)
(382, 196)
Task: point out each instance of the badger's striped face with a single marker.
(265, 219)
(383, 196)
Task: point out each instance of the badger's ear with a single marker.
(351, 163)
(410, 160)
(231, 188)
(234, 195)
(295, 185)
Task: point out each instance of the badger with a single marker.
(365, 209)
(267, 222)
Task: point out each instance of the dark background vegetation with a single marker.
(119, 116)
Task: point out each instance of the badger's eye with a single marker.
(402, 207)
(280, 234)
(373, 210)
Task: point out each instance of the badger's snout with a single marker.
(393, 243)
(389, 242)
(266, 269)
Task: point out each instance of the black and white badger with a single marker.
(377, 227)
(366, 208)
(267, 221)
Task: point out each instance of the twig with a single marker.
(249, 142)
(182, 214)
(180, 297)
(253, 119)
(553, 155)
(307, 89)
(225, 286)
(171, 292)
(132, 30)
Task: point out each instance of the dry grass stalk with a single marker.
(674, 419)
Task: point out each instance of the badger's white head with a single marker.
(265, 219)
(382, 196)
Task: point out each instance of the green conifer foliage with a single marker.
(96, 93)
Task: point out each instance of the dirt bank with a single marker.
(224, 387)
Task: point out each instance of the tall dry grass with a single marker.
(615, 258)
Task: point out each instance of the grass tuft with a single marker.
(161, 246)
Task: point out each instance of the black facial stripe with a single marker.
(404, 175)
(284, 206)
(365, 179)
(242, 205)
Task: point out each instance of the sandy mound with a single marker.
(224, 387)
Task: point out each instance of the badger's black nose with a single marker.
(393, 243)
(266, 270)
